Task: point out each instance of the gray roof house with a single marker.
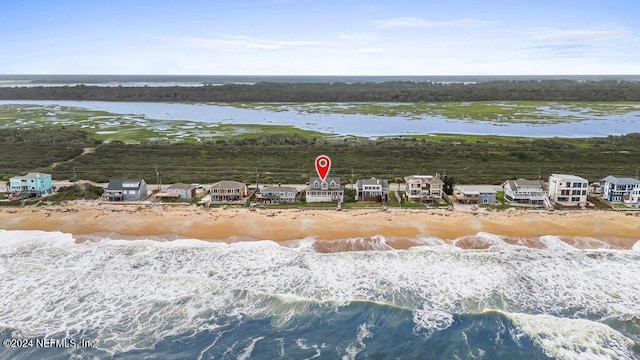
(372, 190)
(615, 189)
(474, 194)
(181, 190)
(523, 191)
(328, 190)
(126, 189)
(277, 195)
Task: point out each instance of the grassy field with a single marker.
(530, 112)
(132, 129)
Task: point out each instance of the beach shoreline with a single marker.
(161, 222)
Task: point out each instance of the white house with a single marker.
(183, 191)
(328, 190)
(423, 188)
(372, 190)
(277, 195)
(522, 191)
(568, 189)
(615, 189)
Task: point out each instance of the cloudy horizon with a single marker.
(308, 37)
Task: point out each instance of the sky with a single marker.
(320, 37)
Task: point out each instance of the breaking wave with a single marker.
(481, 296)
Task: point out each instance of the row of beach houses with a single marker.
(568, 190)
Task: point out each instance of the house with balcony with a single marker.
(568, 190)
(33, 184)
(423, 188)
(372, 190)
(525, 192)
(620, 190)
(126, 190)
(327, 190)
(229, 191)
(474, 194)
(182, 191)
(277, 195)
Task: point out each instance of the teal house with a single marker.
(34, 183)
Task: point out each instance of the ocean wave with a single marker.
(133, 295)
(565, 338)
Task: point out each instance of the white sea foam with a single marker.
(430, 241)
(130, 294)
(491, 239)
(636, 246)
(377, 242)
(553, 243)
(356, 346)
(579, 339)
(307, 244)
(247, 351)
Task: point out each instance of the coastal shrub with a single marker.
(288, 158)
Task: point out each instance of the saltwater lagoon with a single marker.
(589, 125)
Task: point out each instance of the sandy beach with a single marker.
(620, 230)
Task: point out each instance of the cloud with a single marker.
(344, 44)
(567, 44)
(242, 41)
(570, 36)
(356, 36)
(562, 51)
(416, 22)
(370, 50)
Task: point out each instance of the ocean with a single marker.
(308, 299)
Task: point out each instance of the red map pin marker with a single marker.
(323, 165)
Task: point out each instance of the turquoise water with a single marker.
(189, 299)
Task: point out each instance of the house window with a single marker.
(584, 192)
(575, 199)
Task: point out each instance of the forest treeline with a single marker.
(393, 91)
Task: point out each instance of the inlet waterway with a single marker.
(357, 124)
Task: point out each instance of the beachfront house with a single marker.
(620, 190)
(327, 190)
(568, 190)
(277, 195)
(126, 190)
(522, 191)
(32, 184)
(423, 188)
(474, 194)
(372, 190)
(182, 190)
(229, 191)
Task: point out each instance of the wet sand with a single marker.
(620, 230)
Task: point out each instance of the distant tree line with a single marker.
(392, 91)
